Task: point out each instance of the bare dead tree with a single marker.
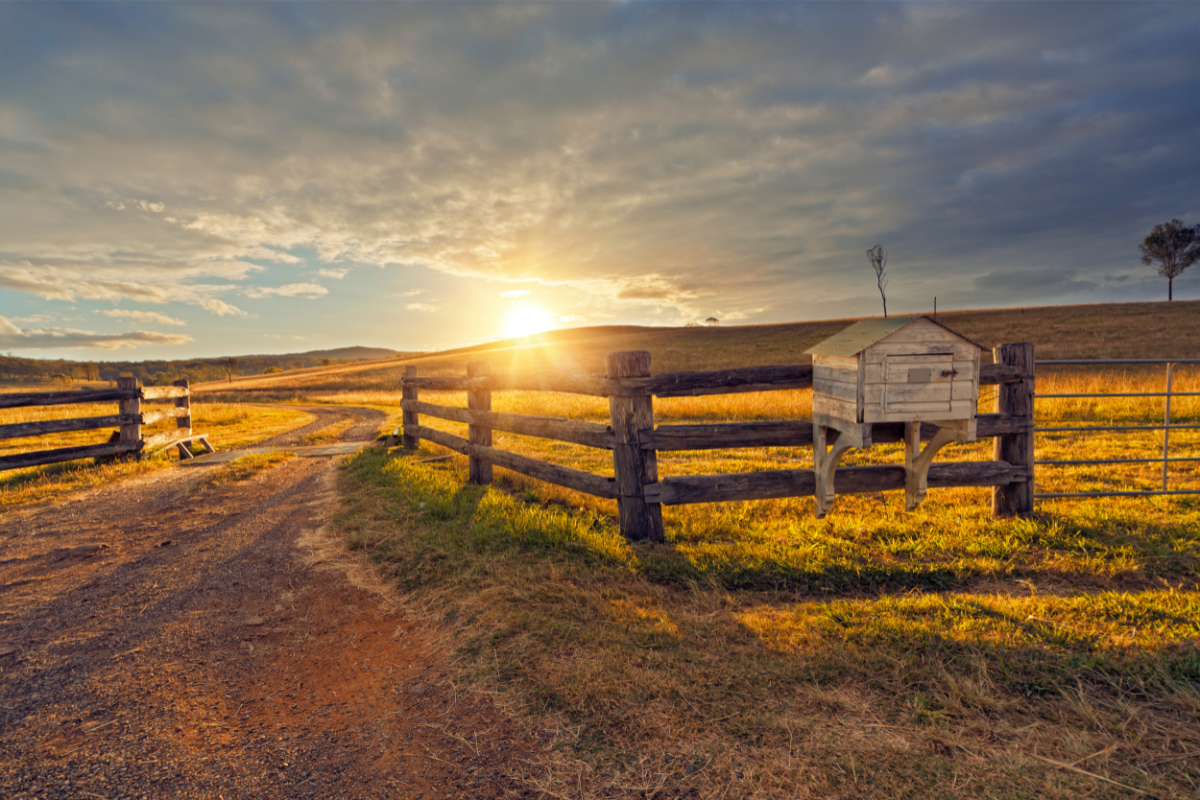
(879, 263)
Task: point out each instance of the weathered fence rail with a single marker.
(635, 441)
(130, 419)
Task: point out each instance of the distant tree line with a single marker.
(14, 369)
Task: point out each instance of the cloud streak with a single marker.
(630, 159)
(12, 337)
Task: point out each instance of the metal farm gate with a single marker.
(1166, 427)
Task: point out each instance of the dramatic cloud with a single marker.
(12, 337)
(426, 307)
(635, 161)
(141, 316)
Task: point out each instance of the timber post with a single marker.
(410, 420)
(131, 432)
(635, 468)
(1016, 398)
(184, 422)
(479, 471)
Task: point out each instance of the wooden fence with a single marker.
(635, 442)
(127, 440)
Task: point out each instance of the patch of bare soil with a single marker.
(159, 642)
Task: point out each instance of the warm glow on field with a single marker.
(524, 319)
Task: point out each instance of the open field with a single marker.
(764, 653)
(1115, 330)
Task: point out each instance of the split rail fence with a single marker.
(126, 441)
(635, 441)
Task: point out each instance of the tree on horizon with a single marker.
(1174, 247)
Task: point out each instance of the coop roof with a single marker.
(864, 333)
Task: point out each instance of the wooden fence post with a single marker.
(184, 422)
(410, 419)
(131, 433)
(1015, 499)
(478, 470)
(635, 468)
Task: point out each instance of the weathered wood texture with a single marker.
(183, 422)
(164, 392)
(20, 430)
(776, 484)
(561, 429)
(634, 468)
(131, 432)
(24, 399)
(167, 438)
(581, 481)
(995, 374)
(1016, 399)
(159, 414)
(799, 434)
(410, 419)
(478, 470)
(37, 458)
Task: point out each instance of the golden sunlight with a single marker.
(524, 319)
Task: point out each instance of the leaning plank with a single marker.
(22, 429)
(168, 438)
(22, 399)
(588, 434)
(775, 484)
(39, 457)
(163, 392)
(581, 481)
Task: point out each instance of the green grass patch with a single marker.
(765, 653)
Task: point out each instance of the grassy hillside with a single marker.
(1113, 330)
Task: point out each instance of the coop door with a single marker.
(918, 384)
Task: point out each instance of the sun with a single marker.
(524, 319)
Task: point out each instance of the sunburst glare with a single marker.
(524, 319)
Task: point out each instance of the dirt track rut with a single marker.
(158, 642)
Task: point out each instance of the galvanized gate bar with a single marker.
(1165, 428)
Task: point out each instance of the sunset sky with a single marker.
(181, 180)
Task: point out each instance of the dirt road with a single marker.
(157, 641)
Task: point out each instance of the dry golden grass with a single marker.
(1114, 330)
(763, 653)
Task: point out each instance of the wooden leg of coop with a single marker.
(825, 467)
(917, 461)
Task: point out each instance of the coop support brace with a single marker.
(826, 457)
(917, 461)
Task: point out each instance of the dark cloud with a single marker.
(748, 152)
